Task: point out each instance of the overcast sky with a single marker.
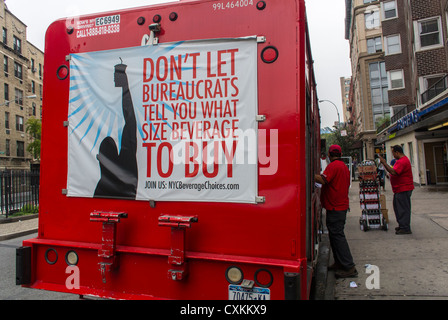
(325, 18)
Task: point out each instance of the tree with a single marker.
(346, 141)
(34, 129)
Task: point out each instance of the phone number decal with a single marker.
(232, 4)
(98, 26)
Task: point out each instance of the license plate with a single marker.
(239, 293)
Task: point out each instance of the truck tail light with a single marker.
(263, 278)
(62, 72)
(51, 256)
(173, 16)
(269, 54)
(234, 275)
(261, 5)
(71, 258)
(157, 18)
(141, 21)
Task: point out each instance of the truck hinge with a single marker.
(178, 266)
(108, 258)
(260, 199)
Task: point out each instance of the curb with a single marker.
(20, 218)
(18, 234)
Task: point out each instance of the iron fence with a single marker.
(19, 190)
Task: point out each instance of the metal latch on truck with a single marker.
(178, 224)
(108, 258)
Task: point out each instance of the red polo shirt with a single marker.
(334, 194)
(403, 181)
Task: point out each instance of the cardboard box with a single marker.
(383, 201)
(385, 214)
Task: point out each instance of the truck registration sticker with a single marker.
(232, 4)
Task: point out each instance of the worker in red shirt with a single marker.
(334, 197)
(402, 183)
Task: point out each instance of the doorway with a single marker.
(436, 158)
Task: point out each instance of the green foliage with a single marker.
(346, 141)
(29, 208)
(34, 129)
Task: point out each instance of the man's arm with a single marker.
(387, 167)
(318, 178)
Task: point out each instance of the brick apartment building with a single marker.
(409, 83)
(21, 73)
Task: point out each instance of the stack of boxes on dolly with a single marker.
(373, 204)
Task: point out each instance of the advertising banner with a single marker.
(172, 122)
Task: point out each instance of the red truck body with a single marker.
(123, 248)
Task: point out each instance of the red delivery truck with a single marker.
(179, 144)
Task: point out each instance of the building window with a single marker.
(6, 120)
(19, 97)
(17, 45)
(428, 33)
(6, 92)
(18, 70)
(389, 10)
(5, 63)
(369, 1)
(19, 123)
(379, 88)
(372, 18)
(411, 153)
(374, 45)
(5, 36)
(33, 86)
(20, 148)
(34, 109)
(393, 44)
(8, 147)
(396, 79)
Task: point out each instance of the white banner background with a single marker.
(178, 91)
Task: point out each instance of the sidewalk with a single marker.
(17, 227)
(410, 267)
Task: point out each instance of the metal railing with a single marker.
(436, 89)
(398, 115)
(19, 190)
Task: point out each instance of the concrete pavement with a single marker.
(398, 267)
(16, 227)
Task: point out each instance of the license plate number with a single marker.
(239, 293)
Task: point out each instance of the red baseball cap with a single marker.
(335, 148)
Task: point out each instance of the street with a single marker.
(8, 288)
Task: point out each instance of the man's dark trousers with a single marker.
(402, 209)
(338, 242)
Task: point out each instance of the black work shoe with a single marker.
(402, 231)
(335, 266)
(350, 273)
